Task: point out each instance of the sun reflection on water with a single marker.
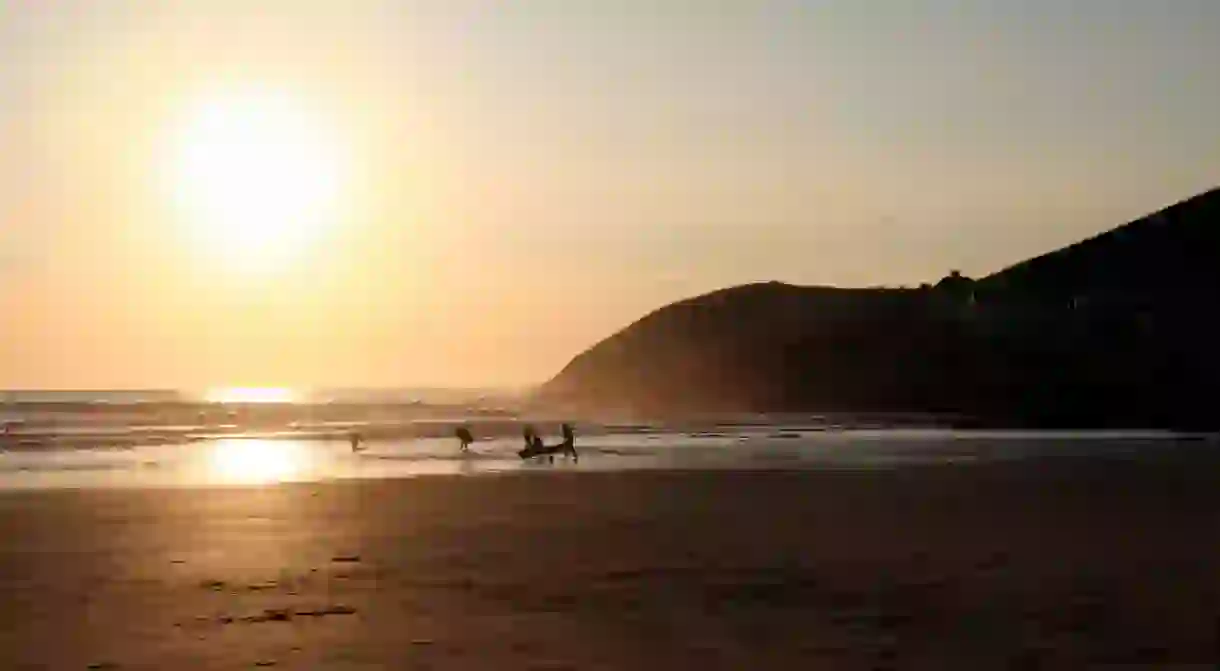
(254, 461)
(249, 395)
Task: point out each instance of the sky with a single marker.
(485, 189)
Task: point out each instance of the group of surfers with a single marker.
(534, 445)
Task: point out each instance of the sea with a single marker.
(261, 437)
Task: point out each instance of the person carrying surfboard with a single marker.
(534, 447)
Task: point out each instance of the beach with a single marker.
(1012, 565)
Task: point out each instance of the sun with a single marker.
(256, 177)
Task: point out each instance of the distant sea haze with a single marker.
(428, 395)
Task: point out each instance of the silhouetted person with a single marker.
(569, 441)
(463, 434)
(533, 444)
(355, 439)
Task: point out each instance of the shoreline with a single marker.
(261, 462)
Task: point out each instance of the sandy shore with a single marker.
(940, 567)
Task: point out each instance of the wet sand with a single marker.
(999, 566)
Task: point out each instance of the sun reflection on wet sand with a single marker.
(255, 461)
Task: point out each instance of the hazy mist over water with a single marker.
(430, 395)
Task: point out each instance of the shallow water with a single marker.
(263, 459)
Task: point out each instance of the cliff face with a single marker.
(1115, 330)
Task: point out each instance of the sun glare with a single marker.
(249, 395)
(256, 176)
(248, 461)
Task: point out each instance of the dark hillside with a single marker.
(1115, 330)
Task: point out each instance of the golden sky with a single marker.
(197, 194)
